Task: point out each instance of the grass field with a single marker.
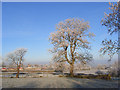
(57, 82)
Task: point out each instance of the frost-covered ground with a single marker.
(57, 82)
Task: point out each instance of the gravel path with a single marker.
(57, 82)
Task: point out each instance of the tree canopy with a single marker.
(17, 58)
(112, 22)
(70, 41)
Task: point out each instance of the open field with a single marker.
(57, 82)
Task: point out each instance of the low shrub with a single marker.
(99, 72)
(60, 75)
(115, 72)
(11, 77)
(106, 77)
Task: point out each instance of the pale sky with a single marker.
(29, 24)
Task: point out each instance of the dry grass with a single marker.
(57, 82)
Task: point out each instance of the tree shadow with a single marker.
(28, 85)
(93, 83)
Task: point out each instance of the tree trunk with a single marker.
(18, 67)
(71, 70)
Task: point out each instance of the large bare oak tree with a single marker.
(71, 43)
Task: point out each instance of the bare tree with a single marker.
(3, 64)
(17, 58)
(110, 48)
(36, 65)
(60, 66)
(112, 22)
(70, 41)
(114, 70)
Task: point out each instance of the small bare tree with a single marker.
(60, 66)
(3, 64)
(114, 70)
(17, 58)
(70, 41)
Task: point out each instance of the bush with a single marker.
(106, 77)
(60, 75)
(114, 72)
(100, 73)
